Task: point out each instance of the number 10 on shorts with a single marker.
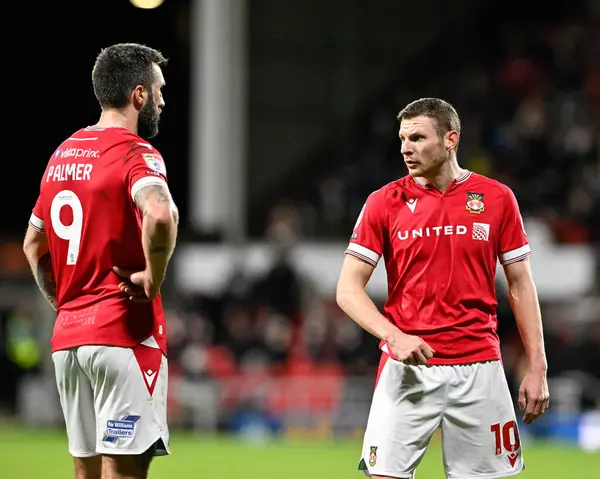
(506, 437)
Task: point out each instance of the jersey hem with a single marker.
(450, 361)
(117, 344)
(461, 361)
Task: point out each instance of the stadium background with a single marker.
(279, 121)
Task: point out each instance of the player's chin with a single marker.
(415, 171)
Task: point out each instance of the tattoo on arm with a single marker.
(158, 249)
(160, 194)
(44, 276)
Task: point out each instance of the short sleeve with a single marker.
(36, 220)
(366, 242)
(513, 245)
(145, 166)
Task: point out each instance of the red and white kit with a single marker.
(109, 353)
(441, 252)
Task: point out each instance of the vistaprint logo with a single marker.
(78, 153)
(433, 231)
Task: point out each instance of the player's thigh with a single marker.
(406, 409)
(126, 467)
(479, 429)
(77, 404)
(130, 396)
(87, 467)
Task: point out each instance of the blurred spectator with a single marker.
(531, 118)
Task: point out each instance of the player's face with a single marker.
(422, 148)
(149, 114)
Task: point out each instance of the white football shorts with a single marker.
(114, 400)
(471, 404)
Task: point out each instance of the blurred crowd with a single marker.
(530, 111)
(276, 321)
(274, 341)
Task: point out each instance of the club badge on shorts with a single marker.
(475, 203)
(373, 456)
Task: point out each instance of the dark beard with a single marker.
(148, 120)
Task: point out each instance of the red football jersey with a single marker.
(441, 253)
(87, 210)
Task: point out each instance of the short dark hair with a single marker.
(120, 68)
(441, 111)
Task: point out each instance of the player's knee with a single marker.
(88, 467)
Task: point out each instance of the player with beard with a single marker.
(99, 241)
(441, 231)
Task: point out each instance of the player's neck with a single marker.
(116, 118)
(443, 178)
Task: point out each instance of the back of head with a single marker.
(441, 111)
(120, 68)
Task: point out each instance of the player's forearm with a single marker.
(159, 234)
(357, 304)
(41, 267)
(525, 305)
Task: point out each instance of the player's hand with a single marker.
(534, 397)
(137, 285)
(411, 350)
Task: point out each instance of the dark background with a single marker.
(314, 68)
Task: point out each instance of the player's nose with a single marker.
(406, 148)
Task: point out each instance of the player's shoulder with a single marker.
(392, 189)
(126, 144)
(79, 135)
(488, 185)
(114, 136)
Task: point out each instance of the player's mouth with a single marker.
(411, 164)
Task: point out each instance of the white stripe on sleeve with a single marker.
(362, 252)
(146, 181)
(37, 223)
(510, 256)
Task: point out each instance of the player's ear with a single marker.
(139, 97)
(451, 140)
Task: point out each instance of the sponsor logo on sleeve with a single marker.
(155, 162)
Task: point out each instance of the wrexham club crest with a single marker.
(475, 203)
(373, 456)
